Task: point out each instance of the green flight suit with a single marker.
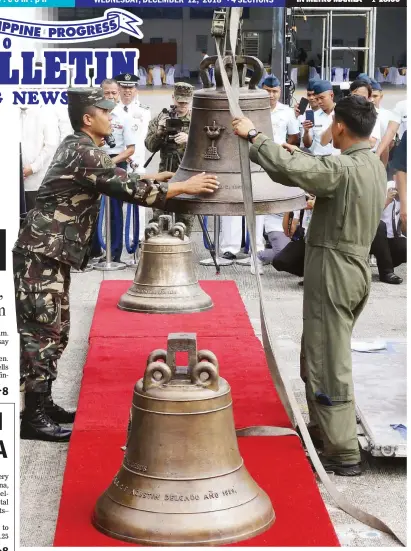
(350, 192)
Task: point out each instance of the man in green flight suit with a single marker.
(350, 195)
(56, 235)
(172, 147)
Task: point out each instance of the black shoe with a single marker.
(341, 469)
(391, 278)
(315, 435)
(55, 412)
(36, 425)
(229, 256)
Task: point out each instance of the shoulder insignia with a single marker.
(106, 161)
(145, 106)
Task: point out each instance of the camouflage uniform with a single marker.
(171, 153)
(56, 235)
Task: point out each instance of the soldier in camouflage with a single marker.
(55, 236)
(172, 149)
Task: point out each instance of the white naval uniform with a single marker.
(64, 125)
(284, 124)
(301, 119)
(141, 116)
(400, 110)
(321, 122)
(39, 141)
(122, 130)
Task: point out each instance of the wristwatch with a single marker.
(252, 134)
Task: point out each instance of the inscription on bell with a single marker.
(156, 291)
(211, 494)
(136, 466)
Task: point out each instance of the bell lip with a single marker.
(192, 543)
(173, 310)
(188, 205)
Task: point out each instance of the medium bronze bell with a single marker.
(182, 481)
(165, 280)
(212, 147)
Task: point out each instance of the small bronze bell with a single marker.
(183, 481)
(165, 280)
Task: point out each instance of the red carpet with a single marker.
(113, 366)
(228, 318)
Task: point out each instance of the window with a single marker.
(201, 42)
(251, 43)
(338, 42)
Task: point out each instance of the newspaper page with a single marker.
(101, 103)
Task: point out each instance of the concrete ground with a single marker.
(382, 488)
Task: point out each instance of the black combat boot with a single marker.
(36, 425)
(55, 412)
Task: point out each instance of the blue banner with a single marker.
(212, 4)
(37, 3)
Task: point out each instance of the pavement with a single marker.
(382, 488)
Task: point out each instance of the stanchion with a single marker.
(132, 248)
(108, 265)
(220, 261)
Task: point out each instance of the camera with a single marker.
(173, 124)
(110, 141)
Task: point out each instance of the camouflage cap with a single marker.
(183, 92)
(88, 97)
(127, 80)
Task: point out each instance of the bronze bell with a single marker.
(165, 280)
(182, 481)
(212, 147)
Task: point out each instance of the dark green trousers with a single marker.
(336, 289)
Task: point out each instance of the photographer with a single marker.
(168, 133)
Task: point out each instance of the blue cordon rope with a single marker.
(205, 218)
(136, 225)
(117, 238)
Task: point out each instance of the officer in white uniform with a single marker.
(141, 116)
(124, 134)
(39, 141)
(285, 129)
(283, 120)
(312, 106)
(323, 118)
(396, 125)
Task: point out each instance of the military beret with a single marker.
(183, 92)
(271, 82)
(88, 97)
(310, 84)
(127, 80)
(321, 86)
(375, 85)
(364, 77)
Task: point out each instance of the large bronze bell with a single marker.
(165, 280)
(182, 481)
(212, 147)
